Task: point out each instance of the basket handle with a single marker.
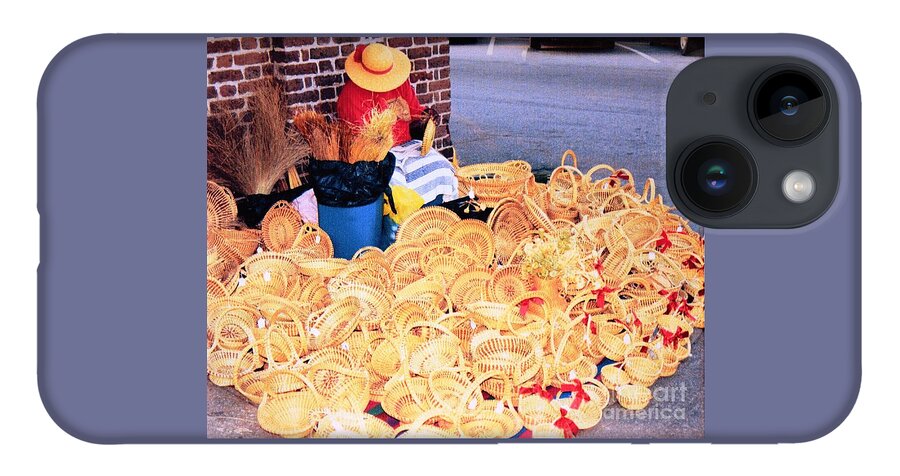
(649, 190)
(590, 173)
(425, 416)
(294, 357)
(569, 153)
(554, 176)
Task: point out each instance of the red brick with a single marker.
(300, 68)
(442, 107)
(209, 62)
(224, 105)
(304, 55)
(421, 88)
(223, 61)
(329, 80)
(293, 85)
(268, 69)
(417, 76)
(249, 43)
(249, 86)
(444, 48)
(418, 52)
(325, 66)
(323, 40)
(346, 39)
(225, 76)
(427, 98)
(347, 49)
(443, 73)
(340, 63)
(437, 39)
(307, 82)
(439, 85)
(302, 98)
(211, 92)
(400, 42)
(227, 90)
(251, 58)
(252, 72)
(445, 95)
(419, 64)
(419, 40)
(434, 49)
(324, 52)
(265, 42)
(290, 41)
(281, 56)
(223, 46)
(327, 107)
(328, 93)
(439, 61)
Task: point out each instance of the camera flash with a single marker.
(798, 186)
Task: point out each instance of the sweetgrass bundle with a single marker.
(341, 141)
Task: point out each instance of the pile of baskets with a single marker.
(444, 329)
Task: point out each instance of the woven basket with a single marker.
(436, 354)
(447, 260)
(640, 227)
(333, 324)
(563, 188)
(590, 408)
(508, 284)
(536, 214)
(492, 182)
(642, 368)
(617, 264)
(314, 242)
(633, 397)
(326, 267)
(215, 288)
(233, 246)
(281, 226)
(270, 261)
(341, 387)
(468, 287)
(221, 210)
(352, 425)
(510, 224)
(425, 220)
(510, 356)
(489, 419)
(536, 411)
(432, 424)
(613, 340)
(290, 415)
(475, 236)
(406, 398)
(613, 376)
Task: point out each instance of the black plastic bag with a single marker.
(339, 184)
(464, 209)
(252, 208)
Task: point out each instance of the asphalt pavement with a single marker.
(512, 102)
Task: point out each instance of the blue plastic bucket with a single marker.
(352, 228)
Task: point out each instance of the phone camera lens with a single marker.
(717, 176)
(789, 104)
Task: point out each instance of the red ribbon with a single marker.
(663, 243)
(637, 322)
(620, 174)
(586, 320)
(523, 306)
(536, 390)
(671, 338)
(598, 266)
(601, 295)
(569, 428)
(693, 262)
(577, 392)
(672, 296)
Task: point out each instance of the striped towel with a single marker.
(431, 176)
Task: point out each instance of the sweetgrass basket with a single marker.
(633, 396)
(333, 324)
(314, 242)
(426, 220)
(344, 424)
(492, 182)
(510, 224)
(613, 376)
(290, 415)
(643, 364)
(221, 209)
(585, 403)
(475, 236)
(489, 419)
(280, 226)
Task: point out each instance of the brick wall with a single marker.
(311, 71)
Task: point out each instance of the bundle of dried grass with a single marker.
(251, 158)
(339, 140)
(374, 138)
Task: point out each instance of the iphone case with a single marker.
(553, 341)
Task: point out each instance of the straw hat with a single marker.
(378, 68)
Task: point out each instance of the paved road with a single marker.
(510, 102)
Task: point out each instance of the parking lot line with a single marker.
(642, 55)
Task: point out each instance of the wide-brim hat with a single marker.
(378, 68)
